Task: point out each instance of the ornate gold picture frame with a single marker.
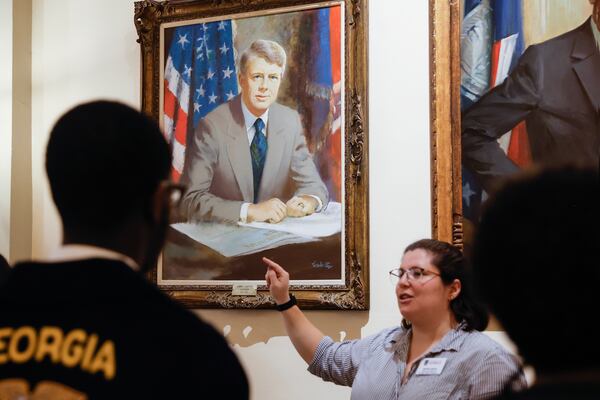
(514, 84)
(445, 121)
(328, 271)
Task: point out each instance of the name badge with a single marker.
(431, 366)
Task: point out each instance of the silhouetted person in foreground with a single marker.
(4, 269)
(536, 260)
(86, 324)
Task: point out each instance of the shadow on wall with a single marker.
(246, 328)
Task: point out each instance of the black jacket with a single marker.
(97, 327)
(555, 88)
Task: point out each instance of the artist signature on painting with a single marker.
(322, 265)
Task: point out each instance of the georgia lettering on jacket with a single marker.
(76, 348)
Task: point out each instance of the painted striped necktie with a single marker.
(258, 151)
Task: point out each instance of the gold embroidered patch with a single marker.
(18, 389)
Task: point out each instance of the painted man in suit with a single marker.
(249, 155)
(555, 88)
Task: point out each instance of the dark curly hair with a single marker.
(452, 265)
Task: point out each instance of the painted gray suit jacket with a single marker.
(218, 169)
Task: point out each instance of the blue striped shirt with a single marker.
(476, 366)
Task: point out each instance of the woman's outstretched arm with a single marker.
(303, 334)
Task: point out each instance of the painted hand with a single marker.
(272, 211)
(300, 206)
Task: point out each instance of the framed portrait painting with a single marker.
(264, 104)
(515, 85)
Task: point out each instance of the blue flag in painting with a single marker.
(491, 43)
(323, 88)
(509, 42)
(320, 83)
(475, 57)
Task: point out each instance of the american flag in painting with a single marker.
(491, 43)
(200, 75)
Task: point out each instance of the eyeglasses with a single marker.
(174, 193)
(413, 274)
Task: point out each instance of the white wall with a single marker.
(81, 50)
(6, 59)
(86, 49)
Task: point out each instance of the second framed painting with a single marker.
(515, 84)
(264, 104)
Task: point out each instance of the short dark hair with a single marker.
(452, 265)
(535, 257)
(104, 161)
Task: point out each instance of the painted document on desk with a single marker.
(237, 240)
(234, 241)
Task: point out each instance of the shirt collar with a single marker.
(72, 252)
(400, 340)
(596, 32)
(450, 342)
(250, 118)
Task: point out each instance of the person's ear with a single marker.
(455, 288)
